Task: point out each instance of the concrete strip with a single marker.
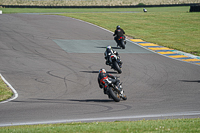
(96, 46)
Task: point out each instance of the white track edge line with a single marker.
(191, 113)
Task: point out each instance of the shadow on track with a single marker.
(92, 100)
(198, 81)
(98, 72)
(111, 46)
(34, 100)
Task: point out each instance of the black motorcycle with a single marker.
(116, 93)
(116, 63)
(121, 41)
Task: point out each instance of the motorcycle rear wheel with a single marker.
(114, 94)
(116, 67)
(122, 44)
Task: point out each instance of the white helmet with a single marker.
(102, 71)
(108, 47)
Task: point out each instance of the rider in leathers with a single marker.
(109, 51)
(104, 79)
(119, 32)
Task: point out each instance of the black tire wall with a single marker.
(195, 8)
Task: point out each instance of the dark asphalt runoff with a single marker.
(53, 62)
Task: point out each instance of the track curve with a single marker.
(53, 62)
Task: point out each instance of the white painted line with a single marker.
(15, 95)
(157, 116)
(92, 24)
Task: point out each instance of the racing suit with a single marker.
(108, 54)
(104, 79)
(119, 32)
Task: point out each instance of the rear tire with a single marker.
(114, 94)
(122, 44)
(116, 66)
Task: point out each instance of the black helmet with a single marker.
(118, 27)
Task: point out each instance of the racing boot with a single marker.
(119, 86)
(111, 67)
(105, 90)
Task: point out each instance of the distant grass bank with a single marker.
(141, 126)
(65, 10)
(94, 2)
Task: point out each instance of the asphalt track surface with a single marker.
(53, 61)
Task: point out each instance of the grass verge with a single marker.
(168, 125)
(5, 91)
(65, 10)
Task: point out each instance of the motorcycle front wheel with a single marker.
(124, 97)
(114, 94)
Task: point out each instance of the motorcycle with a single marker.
(116, 93)
(121, 41)
(116, 63)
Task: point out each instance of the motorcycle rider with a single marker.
(109, 51)
(119, 32)
(104, 79)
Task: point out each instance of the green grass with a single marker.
(5, 91)
(141, 126)
(67, 10)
